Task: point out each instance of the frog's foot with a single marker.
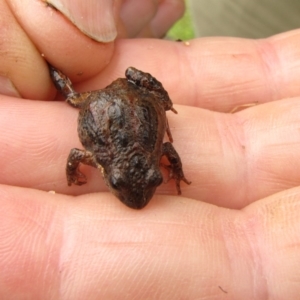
(147, 81)
(76, 178)
(177, 175)
(175, 166)
(77, 156)
(64, 85)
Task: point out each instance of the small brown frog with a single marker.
(122, 128)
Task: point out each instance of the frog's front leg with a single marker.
(175, 166)
(64, 85)
(76, 157)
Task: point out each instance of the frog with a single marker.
(122, 128)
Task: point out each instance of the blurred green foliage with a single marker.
(183, 28)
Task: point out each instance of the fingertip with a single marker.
(95, 18)
(168, 13)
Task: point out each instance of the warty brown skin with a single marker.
(122, 128)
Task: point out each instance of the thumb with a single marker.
(95, 18)
(52, 37)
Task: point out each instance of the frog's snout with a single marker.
(137, 200)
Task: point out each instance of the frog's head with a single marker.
(135, 184)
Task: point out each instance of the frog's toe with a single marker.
(186, 180)
(78, 179)
(177, 182)
(177, 175)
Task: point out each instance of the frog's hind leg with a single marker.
(64, 85)
(76, 157)
(168, 131)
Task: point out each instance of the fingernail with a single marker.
(94, 18)
(7, 88)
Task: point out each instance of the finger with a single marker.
(167, 14)
(76, 243)
(231, 159)
(150, 18)
(95, 18)
(22, 65)
(131, 12)
(59, 41)
(36, 155)
(216, 73)
(272, 230)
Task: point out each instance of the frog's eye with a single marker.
(116, 182)
(154, 178)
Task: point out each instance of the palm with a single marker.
(93, 245)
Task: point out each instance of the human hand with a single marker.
(32, 31)
(235, 230)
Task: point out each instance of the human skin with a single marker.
(234, 232)
(32, 32)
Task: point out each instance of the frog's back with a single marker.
(121, 119)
